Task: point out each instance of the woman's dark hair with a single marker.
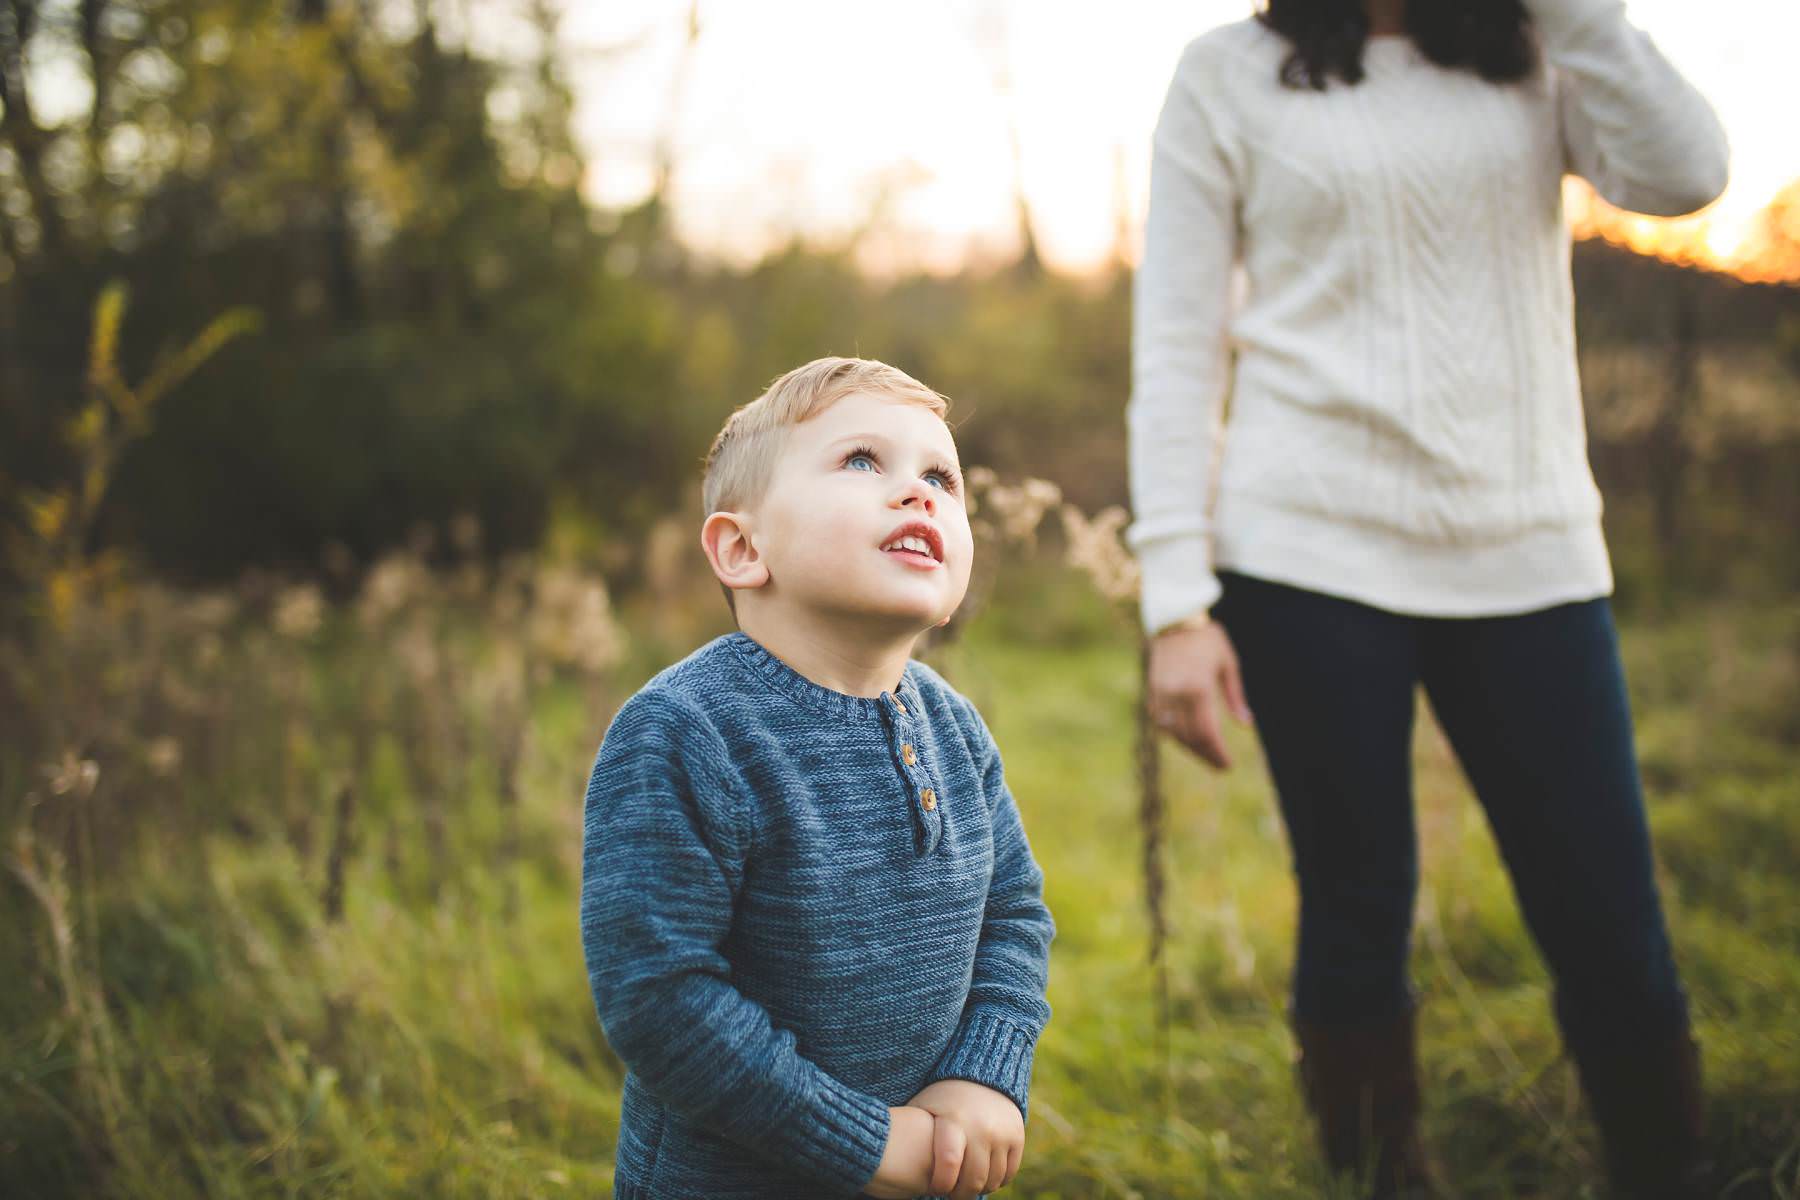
(1493, 38)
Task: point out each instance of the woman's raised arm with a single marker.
(1632, 125)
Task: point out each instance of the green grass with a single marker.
(445, 1045)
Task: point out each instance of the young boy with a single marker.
(814, 930)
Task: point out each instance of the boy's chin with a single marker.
(907, 621)
(902, 617)
(877, 606)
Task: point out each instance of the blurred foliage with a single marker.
(288, 891)
(442, 331)
(448, 328)
(290, 819)
(51, 553)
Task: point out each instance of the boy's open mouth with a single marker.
(915, 542)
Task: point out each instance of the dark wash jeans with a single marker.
(1535, 708)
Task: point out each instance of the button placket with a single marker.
(922, 794)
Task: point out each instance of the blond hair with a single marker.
(741, 462)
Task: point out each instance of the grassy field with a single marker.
(194, 1008)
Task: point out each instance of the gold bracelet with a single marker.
(1187, 624)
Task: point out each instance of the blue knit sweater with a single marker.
(799, 907)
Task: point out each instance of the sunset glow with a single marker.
(918, 127)
(1759, 247)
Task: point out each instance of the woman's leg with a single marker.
(1536, 709)
(1331, 683)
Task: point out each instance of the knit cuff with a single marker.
(993, 1051)
(837, 1136)
(1177, 579)
(1560, 20)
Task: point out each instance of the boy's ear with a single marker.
(725, 537)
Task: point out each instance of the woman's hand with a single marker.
(1186, 666)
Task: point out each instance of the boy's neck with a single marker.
(857, 662)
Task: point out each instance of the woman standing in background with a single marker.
(1401, 496)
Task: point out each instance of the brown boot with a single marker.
(1646, 1101)
(1362, 1085)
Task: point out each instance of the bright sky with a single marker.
(797, 115)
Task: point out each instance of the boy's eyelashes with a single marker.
(951, 481)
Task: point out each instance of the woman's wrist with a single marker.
(1188, 624)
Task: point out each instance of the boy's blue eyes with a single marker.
(945, 480)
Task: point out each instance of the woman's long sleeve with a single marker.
(1632, 125)
(1180, 357)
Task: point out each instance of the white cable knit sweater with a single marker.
(1405, 420)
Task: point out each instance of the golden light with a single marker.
(928, 152)
(1757, 247)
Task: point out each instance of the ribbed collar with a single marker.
(798, 688)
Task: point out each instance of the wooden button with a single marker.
(907, 756)
(928, 798)
(901, 707)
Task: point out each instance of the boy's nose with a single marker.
(918, 495)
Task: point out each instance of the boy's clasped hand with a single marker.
(955, 1139)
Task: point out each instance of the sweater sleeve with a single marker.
(1180, 361)
(1631, 124)
(663, 854)
(995, 1040)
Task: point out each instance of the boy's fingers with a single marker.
(972, 1182)
(948, 1145)
(974, 1178)
(996, 1178)
(1013, 1158)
